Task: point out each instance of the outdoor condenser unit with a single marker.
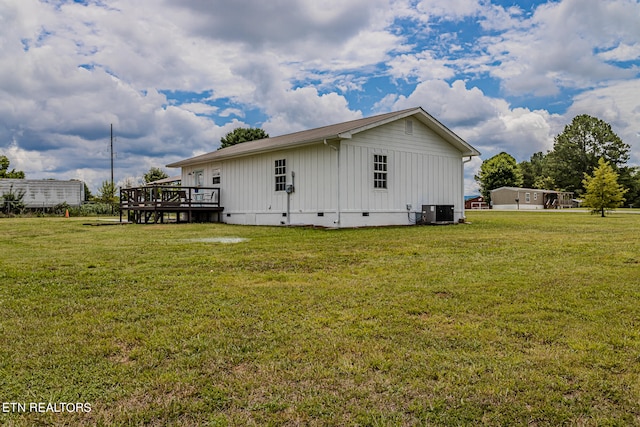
(436, 214)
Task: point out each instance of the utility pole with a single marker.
(113, 189)
(112, 155)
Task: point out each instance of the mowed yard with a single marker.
(518, 318)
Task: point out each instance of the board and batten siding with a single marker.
(421, 170)
(247, 187)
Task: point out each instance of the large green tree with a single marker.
(629, 178)
(500, 170)
(577, 149)
(240, 135)
(154, 174)
(535, 172)
(602, 189)
(5, 172)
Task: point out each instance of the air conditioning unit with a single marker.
(436, 214)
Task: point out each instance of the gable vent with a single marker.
(408, 127)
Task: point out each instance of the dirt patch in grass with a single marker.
(223, 240)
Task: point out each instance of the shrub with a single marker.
(13, 203)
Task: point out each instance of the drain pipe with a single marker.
(337, 150)
(464, 162)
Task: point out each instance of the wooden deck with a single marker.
(154, 204)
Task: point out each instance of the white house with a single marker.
(374, 171)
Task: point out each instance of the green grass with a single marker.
(519, 318)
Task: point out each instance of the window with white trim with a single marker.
(379, 171)
(216, 177)
(527, 197)
(281, 174)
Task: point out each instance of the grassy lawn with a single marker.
(518, 318)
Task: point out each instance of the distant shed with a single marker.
(476, 202)
(45, 193)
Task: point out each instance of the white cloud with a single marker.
(304, 108)
(497, 18)
(489, 124)
(422, 66)
(454, 104)
(555, 48)
(200, 108)
(449, 9)
(23, 160)
(619, 105)
(622, 52)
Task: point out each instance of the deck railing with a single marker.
(169, 196)
(165, 199)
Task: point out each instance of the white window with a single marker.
(379, 171)
(216, 176)
(535, 196)
(281, 174)
(527, 197)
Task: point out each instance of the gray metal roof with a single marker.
(334, 132)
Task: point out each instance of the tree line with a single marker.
(587, 149)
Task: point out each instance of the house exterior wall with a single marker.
(422, 170)
(45, 193)
(247, 187)
(334, 181)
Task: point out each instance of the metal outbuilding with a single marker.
(45, 193)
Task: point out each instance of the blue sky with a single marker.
(174, 77)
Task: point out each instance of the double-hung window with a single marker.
(281, 174)
(379, 171)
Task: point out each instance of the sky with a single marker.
(173, 77)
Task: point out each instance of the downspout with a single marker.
(337, 150)
(464, 162)
(288, 206)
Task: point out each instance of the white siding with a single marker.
(248, 187)
(422, 170)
